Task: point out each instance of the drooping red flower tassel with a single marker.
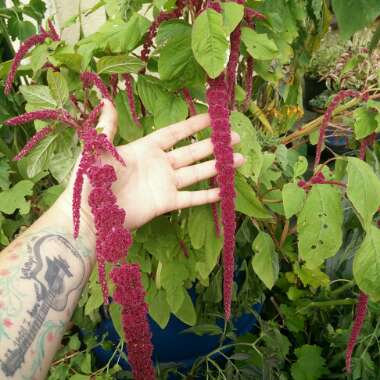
(44, 114)
(24, 48)
(189, 101)
(90, 79)
(214, 209)
(114, 79)
(131, 99)
(361, 311)
(163, 16)
(342, 95)
(221, 138)
(36, 138)
(53, 34)
(130, 294)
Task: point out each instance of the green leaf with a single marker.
(232, 15)
(187, 312)
(128, 130)
(366, 266)
(209, 42)
(363, 190)
(259, 45)
(95, 300)
(71, 60)
(78, 376)
(38, 57)
(247, 202)
(169, 109)
(300, 167)
(158, 308)
(115, 313)
(310, 364)
(248, 146)
(293, 199)
(119, 64)
(38, 96)
(177, 64)
(74, 342)
(202, 235)
(14, 198)
(365, 122)
(58, 87)
(20, 29)
(265, 261)
(39, 157)
(50, 195)
(320, 225)
(354, 15)
(5, 171)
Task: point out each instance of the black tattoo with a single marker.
(53, 282)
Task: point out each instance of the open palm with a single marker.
(155, 175)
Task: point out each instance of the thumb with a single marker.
(108, 120)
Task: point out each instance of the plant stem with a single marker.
(316, 123)
(256, 111)
(320, 304)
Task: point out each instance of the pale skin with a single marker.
(43, 271)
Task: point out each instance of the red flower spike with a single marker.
(131, 99)
(189, 101)
(102, 276)
(39, 136)
(24, 48)
(129, 293)
(163, 16)
(233, 64)
(92, 118)
(369, 140)
(53, 34)
(221, 129)
(90, 79)
(114, 79)
(342, 95)
(361, 311)
(44, 114)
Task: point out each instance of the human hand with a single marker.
(155, 175)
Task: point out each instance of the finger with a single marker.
(169, 136)
(108, 120)
(196, 198)
(189, 154)
(193, 174)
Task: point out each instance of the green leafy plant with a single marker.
(246, 62)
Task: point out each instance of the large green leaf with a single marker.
(365, 122)
(265, 262)
(209, 42)
(38, 96)
(248, 146)
(39, 158)
(128, 130)
(310, 364)
(366, 267)
(354, 15)
(177, 63)
(119, 64)
(247, 202)
(202, 234)
(169, 109)
(232, 15)
(293, 199)
(187, 313)
(58, 87)
(320, 225)
(158, 307)
(363, 190)
(259, 45)
(14, 198)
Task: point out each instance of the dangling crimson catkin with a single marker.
(233, 61)
(40, 135)
(130, 294)
(24, 49)
(221, 138)
(131, 98)
(342, 95)
(361, 311)
(90, 79)
(361, 308)
(214, 209)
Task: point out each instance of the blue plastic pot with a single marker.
(171, 344)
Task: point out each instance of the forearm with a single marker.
(42, 274)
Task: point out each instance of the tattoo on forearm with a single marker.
(55, 269)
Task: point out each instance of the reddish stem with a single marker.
(189, 101)
(131, 98)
